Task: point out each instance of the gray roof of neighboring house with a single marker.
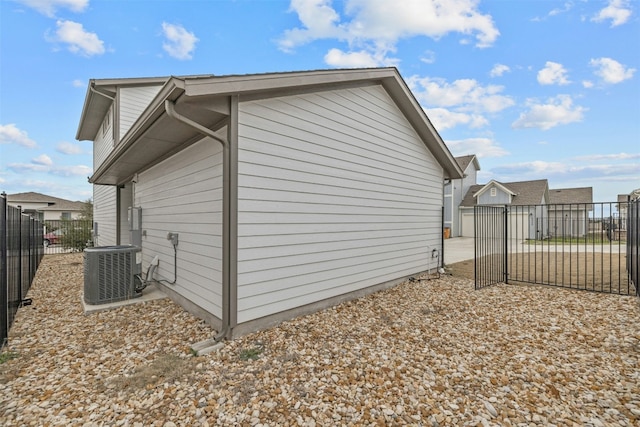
(464, 161)
(526, 192)
(571, 195)
(54, 203)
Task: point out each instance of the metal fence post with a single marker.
(506, 244)
(4, 300)
(19, 252)
(442, 240)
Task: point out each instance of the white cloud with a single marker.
(536, 167)
(78, 83)
(78, 40)
(498, 70)
(462, 102)
(617, 156)
(49, 7)
(320, 21)
(40, 165)
(68, 148)
(77, 170)
(553, 73)
(618, 11)
(556, 111)
(557, 11)
(42, 159)
(361, 59)
(442, 119)
(481, 147)
(10, 134)
(179, 43)
(587, 84)
(558, 170)
(611, 71)
(463, 94)
(429, 57)
(376, 26)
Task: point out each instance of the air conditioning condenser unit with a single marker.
(110, 274)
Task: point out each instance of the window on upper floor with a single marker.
(106, 124)
(65, 215)
(494, 192)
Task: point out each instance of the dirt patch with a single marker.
(597, 272)
(462, 269)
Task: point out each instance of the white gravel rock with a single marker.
(426, 353)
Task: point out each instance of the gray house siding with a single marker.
(125, 195)
(332, 187)
(183, 195)
(500, 198)
(336, 193)
(105, 214)
(454, 192)
(449, 207)
(132, 102)
(103, 144)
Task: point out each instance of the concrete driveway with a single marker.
(458, 249)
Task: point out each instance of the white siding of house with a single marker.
(336, 193)
(105, 214)
(103, 144)
(183, 195)
(125, 202)
(132, 103)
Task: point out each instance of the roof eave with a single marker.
(389, 77)
(265, 84)
(172, 89)
(98, 100)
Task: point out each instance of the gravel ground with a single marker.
(426, 353)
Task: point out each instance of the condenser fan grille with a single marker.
(109, 274)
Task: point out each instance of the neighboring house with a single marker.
(527, 199)
(622, 208)
(46, 208)
(569, 211)
(455, 190)
(289, 192)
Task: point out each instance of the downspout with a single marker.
(225, 330)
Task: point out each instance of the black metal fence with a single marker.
(21, 250)
(579, 246)
(67, 236)
(490, 245)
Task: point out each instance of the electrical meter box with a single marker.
(135, 226)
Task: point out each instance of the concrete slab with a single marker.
(206, 347)
(150, 293)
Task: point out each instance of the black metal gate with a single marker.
(591, 247)
(490, 245)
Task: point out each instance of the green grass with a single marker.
(589, 239)
(250, 353)
(6, 356)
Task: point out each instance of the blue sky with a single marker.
(536, 89)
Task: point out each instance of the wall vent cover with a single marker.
(109, 274)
